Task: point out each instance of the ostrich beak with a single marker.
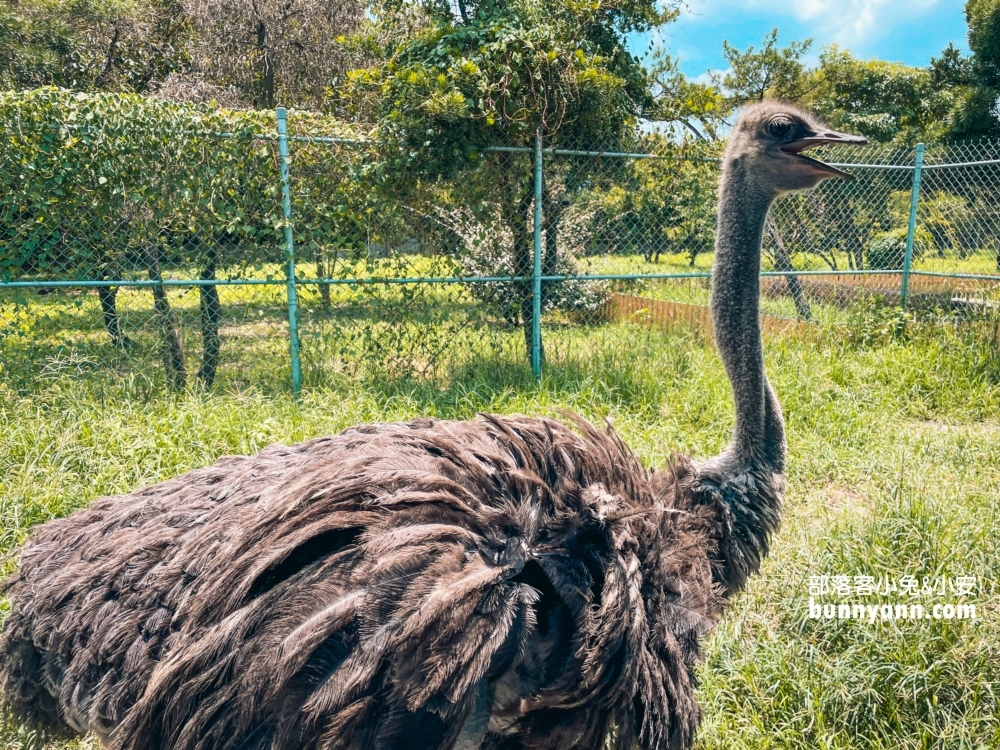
(795, 148)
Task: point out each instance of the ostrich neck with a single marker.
(759, 435)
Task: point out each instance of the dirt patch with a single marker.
(936, 426)
(838, 499)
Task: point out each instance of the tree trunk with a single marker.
(211, 318)
(850, 236)
(518, 212)
(104, 77)
(173, 353)
(108, 297)
(323, 269)
(266, 99)
(783, 263)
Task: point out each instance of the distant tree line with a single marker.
(953, 97)
(887, 102)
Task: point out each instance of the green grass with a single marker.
(894, 468)
(830, 301)
(981, 262)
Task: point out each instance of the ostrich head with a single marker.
(769, 140)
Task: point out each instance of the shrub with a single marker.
(887, 250)
(91, 182)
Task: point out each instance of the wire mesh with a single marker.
(832, 236)
(158, 253)
(956, 260)
(636, 230)
(401, 277)
(154, 255)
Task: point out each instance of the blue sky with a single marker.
(908, 31)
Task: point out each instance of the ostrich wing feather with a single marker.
(505, 581)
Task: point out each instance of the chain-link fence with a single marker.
(914, 229)
(386, 281)
(134, 243)
(170, 252)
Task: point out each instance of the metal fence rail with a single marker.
(279, 255)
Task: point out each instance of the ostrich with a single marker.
(504, 583)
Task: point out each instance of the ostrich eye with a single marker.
(780, 127)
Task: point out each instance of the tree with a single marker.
(493, 73)
(952, 69)
(975, 79)
(30, 51)
(698, 108)
(239, 51)
(274, 51)
(91, 45)
(512, 68)
(884, 101)
(888, 102)
(770, 72)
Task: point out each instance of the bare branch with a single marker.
(273, 50)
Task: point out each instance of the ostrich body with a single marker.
(505, 583)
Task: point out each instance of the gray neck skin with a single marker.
(759, 436)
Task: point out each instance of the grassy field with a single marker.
(830, 298)
(894, 436)
(980, 262)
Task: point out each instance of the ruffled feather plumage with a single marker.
(387, 587)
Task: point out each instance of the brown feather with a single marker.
(362, 590)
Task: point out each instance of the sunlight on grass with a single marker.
(894, 438)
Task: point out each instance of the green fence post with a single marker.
(536, 273)
(286, 210)
(911, 231)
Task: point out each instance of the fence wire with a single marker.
(163, 258)
(157, 255)
(383, 266)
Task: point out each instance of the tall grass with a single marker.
(894, 437)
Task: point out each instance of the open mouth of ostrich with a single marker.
(795, 148)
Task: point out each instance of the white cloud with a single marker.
(848, 23)
(709, 76)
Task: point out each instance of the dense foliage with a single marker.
(88, 181)
(275, 52)
(249, 53)
(496, 75)
(976, 78)
(109, 187)
(92, 45)
(453, 87)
